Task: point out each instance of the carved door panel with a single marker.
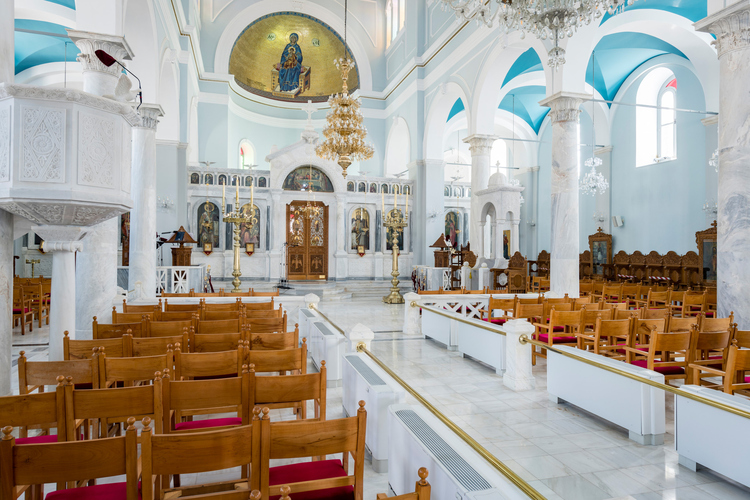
(307, 238)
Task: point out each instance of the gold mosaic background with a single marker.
(260, 46)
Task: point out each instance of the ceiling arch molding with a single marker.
(435, 124)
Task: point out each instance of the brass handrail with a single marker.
(453, 316)
(481, 450)
(329, 321)
(524, 339)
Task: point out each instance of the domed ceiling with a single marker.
(289, 56)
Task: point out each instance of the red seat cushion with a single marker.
(556, 340)
(210, 422)
(49, 438)
(664, 370)
(113, 491)
(18, 311)
(310, 471)
(710, 314)
(497, 321)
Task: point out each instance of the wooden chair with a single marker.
(623, 306)
(22, 310)
(164, 455)
(115, 331)
(194, 307)
(611, 292)
(113, 405)
(220, 315)
(707, 349)
(631, 294)
(738, 363)
(119, 318)
(656, 299)
(156, 346)
(329, 478)
(258, 306)
(85, 349)
(208, 365)
(34, 375)
(693, 304)
(168, 328)
(71, 462)
(183, 399)
(531, 312)
(274, 293)
(656, 313)
(586, 288)
(715, 324)
(131, 371)
(216, 342)
(626, 313)
(287, 360)
(220, 326)
(290, 391)
(273, 341)
(279, 312)
(176, 316)
(237, 305)
(609, 336)
(505, 306)
(422, 490)
(558, 306)
(143, 309)
(589, 317)
(562, 329)
(670, 347)
(641, 331)
(266, 325)
(581, 302)
(39, 302)
(740, 337)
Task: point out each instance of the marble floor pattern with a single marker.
(562, 451)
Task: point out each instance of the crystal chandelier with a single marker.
(344, 132)
(714, 161)
(593, 181)
(546, 19)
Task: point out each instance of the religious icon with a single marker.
(384, 188)
(290, 68)
(195, 178)
(303, 178)
(350, 186)
(599, 255)
(452, 227)
(250, 233)
(709, 260)
(373, 187)
(389, 235)
(208, 248)
(249, 249)
(506, 244)
(447, 191)
(208, 224)
(222, 180)
(361, 250)
(262, 182)
(209, 179)
(361, 187)
(360, 230)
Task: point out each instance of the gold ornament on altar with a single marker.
(344, 132)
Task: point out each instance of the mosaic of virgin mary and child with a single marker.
(290, 65)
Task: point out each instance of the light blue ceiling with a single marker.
(695, 10)
(458, 106)
(617, 55)
(71, 4)
(525, 102)
(32, 49)
(526, 63)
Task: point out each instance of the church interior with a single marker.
(368, 249)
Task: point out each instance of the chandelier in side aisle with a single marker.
(593, 181)
(546, 19)
(344, 132)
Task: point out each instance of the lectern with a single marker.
(181, 254)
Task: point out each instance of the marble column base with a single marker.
(518, 376)
(411, 314)
(96, 277)
(6, 300)
(564, 277)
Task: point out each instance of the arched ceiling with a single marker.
(526, 63)
(616, 56)
(33, 49)
(695, 10)
(71, 4)
(524, 101)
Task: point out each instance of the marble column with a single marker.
(427, 204)
(340, 255)
(566, 141)
(514, 237)
(6, 300)
(412, 322)
(480, 147)
(143, 215)
(731, 26)
(7, 46)
(99, 79)
(480, 249)
(63, 242)
(518, 375)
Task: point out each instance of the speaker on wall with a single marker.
(617, 221)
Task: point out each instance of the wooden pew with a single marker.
(105, 331)
(34, 375)
(290, 391)
(422, 489)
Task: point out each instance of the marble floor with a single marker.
(562, 451)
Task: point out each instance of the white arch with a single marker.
(671, 28)
(259, 9)
(397, 147)
(140, 33)
(435, 124)
(169, 97)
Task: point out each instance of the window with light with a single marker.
(247, 155)
(395, 12)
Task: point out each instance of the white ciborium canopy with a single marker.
(65, 155)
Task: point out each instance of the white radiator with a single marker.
(439, 327)
(306, 317)
(327, 344)
(419, 439)
(365, 381)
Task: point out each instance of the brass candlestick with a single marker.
(396, 221)
(235, 217)
(32, 262)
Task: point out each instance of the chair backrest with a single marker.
(676, 342)
(693, 303)
(269, 325)
(565, 306)
(194, 307)
(237, 305)
(621, 328)
(39, 410)
(738, 362)
(190, 365)
(589, 316)
(84, 349)
(69, 462)
(586, 287)
(119, 318)
(265, 391)
(172, 454)
(294, 360)
(219, 326)
(215, 342)
(625, 313)
(34, 375)
(146, 309)
(741, 337)
(658, 298)
(716, 324)
(217, 315)
(168, 328)
(558, 300)
(273, 341)
(616, 305)
(644, 327)
(274, 293)
(655, 313)
(528, 311)
(676, 324)
(131, 370)
(702, 343)
(631, 291)
(284, 440)
(504, 305)
(258, 306)
(573, 319)
(156, 346)
(113, 404)
(274, 313)
(612, 290)
(175, 316)
(115, 331)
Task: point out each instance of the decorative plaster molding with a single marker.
(564, 106)
(69, 95)
(603, 150)
(4, 144)
(480, 145)
(149, 113)
(89, 42)
(61, 214)
(42, 155)
(710, 120)
(61, 238)
(731, 26)
(98, 145)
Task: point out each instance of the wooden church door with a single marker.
(307, 239)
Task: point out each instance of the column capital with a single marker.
(564, 106)
(89, 42)
(480, 145)
(149, 113)
(61, 238)
(731, 26)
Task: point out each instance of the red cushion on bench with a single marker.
(664, 370)
(112, 491)
(18, 311)
(210, 422)
(49, 438)
(497, 321)
(556, 340)
(309, 471)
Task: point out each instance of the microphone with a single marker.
(108, 61)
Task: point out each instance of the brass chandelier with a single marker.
(344, 132)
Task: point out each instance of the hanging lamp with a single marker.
(593, 181)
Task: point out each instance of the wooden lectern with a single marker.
(181, 254)
(442, 252)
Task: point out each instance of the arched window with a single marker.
(667, 121)
(247, 154)
(395, 13)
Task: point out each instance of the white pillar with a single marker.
(63, 242)
(479, 240)
(7, 48)
(6, 298)
(99, 79)
(360, 333)
(566, 140)
(411, 314)
(731, 26)
(427, 205)
(143, 216)
(514, 237)
(480, 147)
(340, 257)
(518, 376)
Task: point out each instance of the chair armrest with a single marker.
(707, 369)
(540, 325)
